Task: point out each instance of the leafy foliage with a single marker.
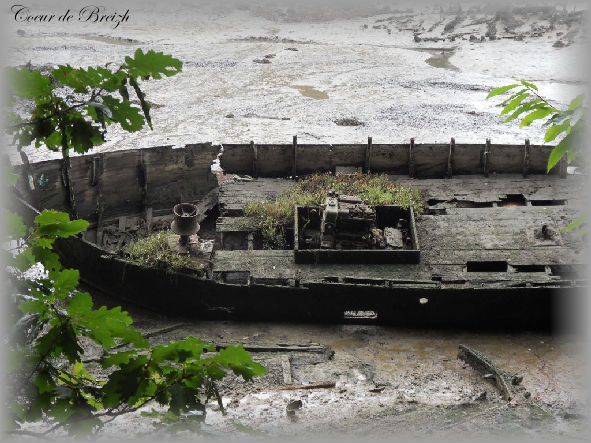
(71, 109)
(74, 106)
(565, 124)
(47, 357)
(273, 219)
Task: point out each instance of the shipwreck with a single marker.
(488, 248)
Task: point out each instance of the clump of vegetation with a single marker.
(273, 219)
(154, 251)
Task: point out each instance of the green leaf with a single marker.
(84, 135)
(32, 307)
(117, 359)
(501, 90)
(14, 226)
(576, 102)
(512, 96)
(44, 382)
(54, 223)
(103, 325)
(27, 84)
(536, 115)
(152, 64)
(240, 362)
(64, 282)
(560, 117)
(556, 130)
(529, 85)
(60, 340)
(81, 79)
(532, 104)
(514, 103)
(575, 224)
(558, 152)
(128, 116)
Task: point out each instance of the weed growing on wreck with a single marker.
(274, 219)
(154, 251)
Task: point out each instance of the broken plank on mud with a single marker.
(484, 366)
(279, 347)
(321, 385)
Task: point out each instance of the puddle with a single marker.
(439, 57)
(309, 91)
(441, 60)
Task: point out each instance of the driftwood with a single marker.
(503, 379)
(321, 385)
(281, 347)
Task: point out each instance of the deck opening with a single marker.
(512, 200)
(486, 266)
(529, 268)
(473, 204)
(434, 201)
(330, 279)
(548, 202)
(435, 211)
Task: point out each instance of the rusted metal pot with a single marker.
(185, 220)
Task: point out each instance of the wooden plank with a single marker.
(430, 160)
(389, 158)
(538, 161)
(178, 175)
(236, 158)
(468, 158)
(505, 159)
(313, 158)
(347, 155)
(551, 255)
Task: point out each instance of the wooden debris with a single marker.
(281, 347)
(321, 385)
(286, 369)
(503, 379)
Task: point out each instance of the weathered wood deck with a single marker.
(485, 259)
(462, 247)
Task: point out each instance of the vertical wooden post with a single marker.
(486, 159)
(368, 156)
(411, 158)
(142, 180)
(294, 167)
(525, 166)
(450, 157)
(100, 209)
(255, 156)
